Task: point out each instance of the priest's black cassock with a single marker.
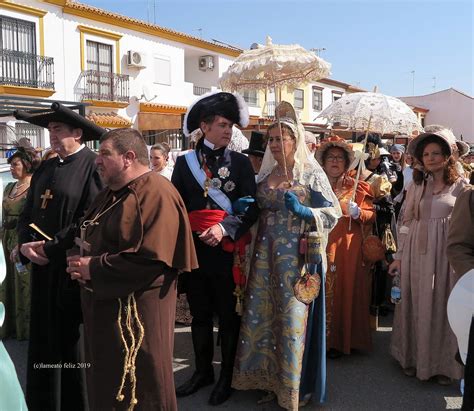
(56, 313)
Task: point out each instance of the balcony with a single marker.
(199, 91)
(26, 74)
(269, 109)
(103, 88)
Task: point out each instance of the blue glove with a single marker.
(292, 204)
(241, 205)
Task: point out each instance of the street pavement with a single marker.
(357, 382)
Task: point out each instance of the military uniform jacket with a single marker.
(234, 174)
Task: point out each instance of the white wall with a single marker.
(449, 108)
(62, 42)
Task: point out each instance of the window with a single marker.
(299, 98)
(18, 63)
(336, 95)
(99, 56)
(99, 66)
(251, 97)
(317, 98)
(162, 71)
(17, 35)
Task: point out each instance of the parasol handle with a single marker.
(359, 167)
(285, 167)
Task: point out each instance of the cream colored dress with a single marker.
(422, 337)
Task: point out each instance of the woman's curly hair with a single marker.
(450, 175)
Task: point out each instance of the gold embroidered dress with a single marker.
(271, 347)
(15, 291)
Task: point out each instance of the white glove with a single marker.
(354, 210)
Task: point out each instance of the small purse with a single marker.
(307, 286)
(373, 249)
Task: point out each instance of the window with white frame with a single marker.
(336, 95)
(299, 98)
(162, 66)
(251, 97)
(317, 98)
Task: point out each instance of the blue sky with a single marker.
(369, 43)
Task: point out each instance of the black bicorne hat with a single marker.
(257, 144)
(228, 105)
(61, 114)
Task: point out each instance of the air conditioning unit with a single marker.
(206, 63)
(136, 59)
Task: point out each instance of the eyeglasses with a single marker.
(278, 139)
(335, 158)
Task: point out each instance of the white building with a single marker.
(119, 71)
(128, 72)
(451, 108)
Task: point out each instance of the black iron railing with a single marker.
(199, 91)
(25, 69)
(173, 137)
(103, 86)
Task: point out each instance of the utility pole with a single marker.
(413, 82)
(318, 51)
(154, 11)
(434, 83)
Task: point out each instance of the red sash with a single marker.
(200, 221)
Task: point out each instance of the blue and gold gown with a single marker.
(281, 345)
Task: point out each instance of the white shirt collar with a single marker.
(77, 151)
(208, 144)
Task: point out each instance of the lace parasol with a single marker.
(273, 66)
(387, 115)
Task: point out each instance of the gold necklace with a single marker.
(16, 195)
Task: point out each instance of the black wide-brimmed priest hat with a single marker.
(256, 145)
(228, 105)
(61, 114)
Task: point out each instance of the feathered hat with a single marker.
(228, 105)
(61, 114)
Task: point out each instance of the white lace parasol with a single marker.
(388, 115)
(273, 66)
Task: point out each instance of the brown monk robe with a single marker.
(141, 242)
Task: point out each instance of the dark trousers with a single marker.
(210, 291)
(53, 379)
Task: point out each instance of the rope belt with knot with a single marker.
(132, 321)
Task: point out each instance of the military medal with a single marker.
(208, 182)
